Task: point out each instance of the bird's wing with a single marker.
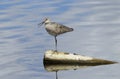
(61, 28)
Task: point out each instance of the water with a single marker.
(96, 33)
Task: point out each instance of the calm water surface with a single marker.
(96, 33)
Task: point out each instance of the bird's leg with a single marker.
(55, 43)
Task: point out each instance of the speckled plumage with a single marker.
(55, 29)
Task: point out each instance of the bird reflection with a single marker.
(56, 74)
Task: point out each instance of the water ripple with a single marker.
(22, 43)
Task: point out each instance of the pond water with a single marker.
(96, 33)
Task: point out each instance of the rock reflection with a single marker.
(60, 67)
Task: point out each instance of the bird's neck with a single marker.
(47, 22)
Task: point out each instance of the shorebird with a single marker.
(55, 29)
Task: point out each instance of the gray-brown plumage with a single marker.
(55, 29)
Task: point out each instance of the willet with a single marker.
(55, 29)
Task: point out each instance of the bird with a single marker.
(55, 29)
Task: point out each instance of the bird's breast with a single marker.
(50, 27)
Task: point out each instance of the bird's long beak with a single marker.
(40, 24)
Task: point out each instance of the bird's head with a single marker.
(46, 20)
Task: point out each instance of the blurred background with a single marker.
(96, 33)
